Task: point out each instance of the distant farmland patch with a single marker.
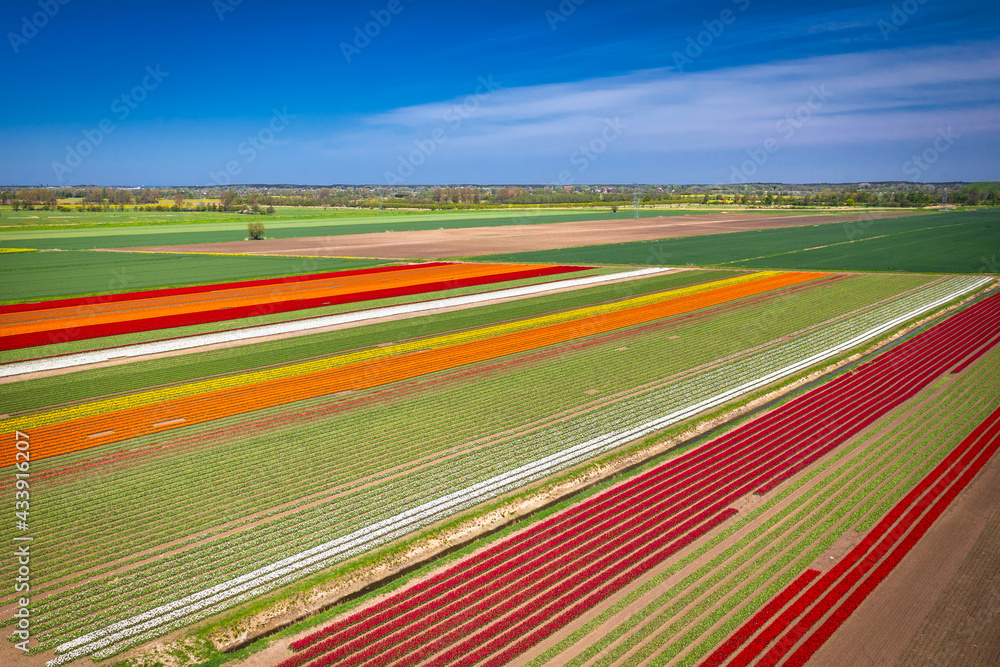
(956, 242)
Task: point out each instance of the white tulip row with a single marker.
(316, 558)
(202, 340)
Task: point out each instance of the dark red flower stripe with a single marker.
(414, 618)
(197, 289)
(747, 656)
(498, 551)
(580, 607)
(531, 640)
(675, 472)
(603, 533)
(893, 357)
(388, 604)
(759, 643)
(757, 621)
(19, 341)
(972, 359)
(863, 557)
(723, 490)
(817, 639)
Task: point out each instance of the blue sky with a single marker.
(560, 91)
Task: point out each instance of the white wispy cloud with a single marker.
(862, 97)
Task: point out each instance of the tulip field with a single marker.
(496, 606)
(32, 324)
(93, 424)
(213, 468)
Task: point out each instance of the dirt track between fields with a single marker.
(474, 241)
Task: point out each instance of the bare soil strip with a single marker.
(473, 241)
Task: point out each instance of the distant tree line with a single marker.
(262, 199)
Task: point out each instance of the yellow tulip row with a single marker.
(252, 377)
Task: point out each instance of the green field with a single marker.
(970, 246)
(76, 219)
(353, 458)
(36, 276)
(955, 242)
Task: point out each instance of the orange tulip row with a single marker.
(69, 436)
(139, 309)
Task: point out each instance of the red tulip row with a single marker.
(520, 591)
(73, 434)
(983, 317)
(711, 459)
(86, 332)
(567, 601)
(938, 345)
(983, 455)
(962, 464)
(954, 340)
(757, 621)
(198, 289)
(586, 536)
(941, 361)
(707, 456)
(971, 360)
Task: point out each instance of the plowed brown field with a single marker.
(472, 241)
